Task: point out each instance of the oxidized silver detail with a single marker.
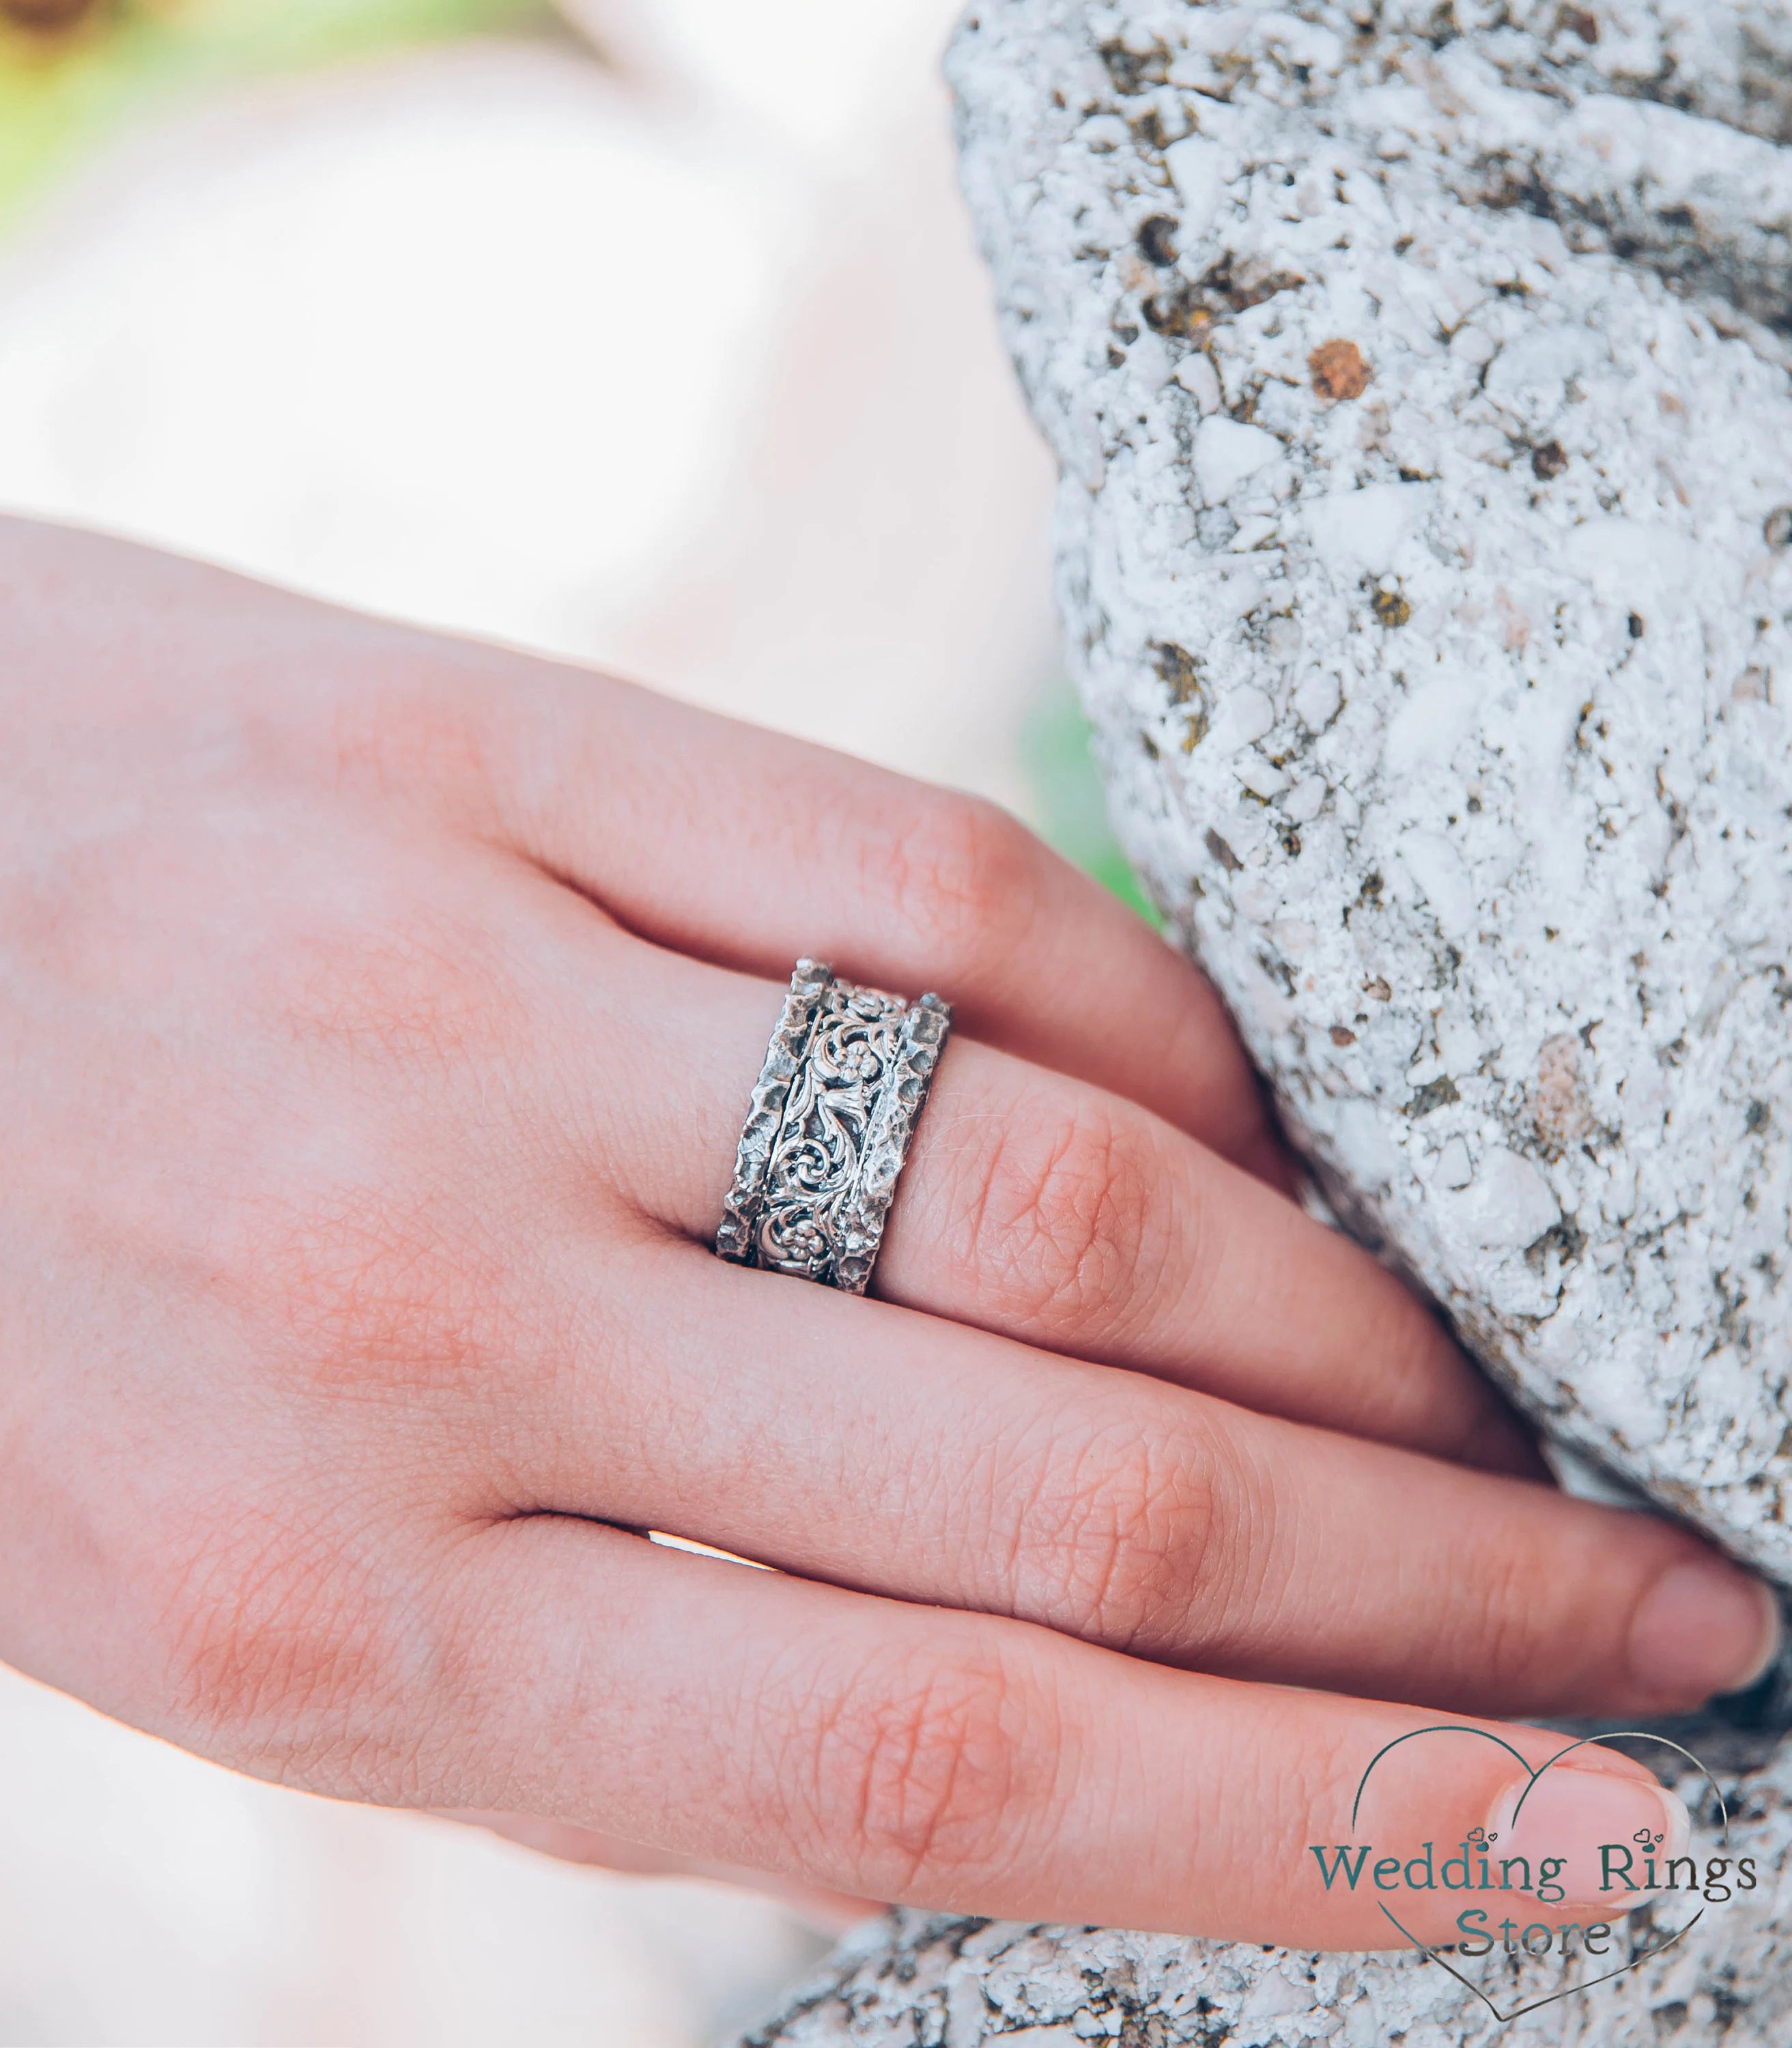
(809, 983)
(844, 1082)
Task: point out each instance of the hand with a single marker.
(377, 1016)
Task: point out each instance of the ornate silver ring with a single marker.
(844, 1082)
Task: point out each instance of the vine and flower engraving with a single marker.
(844, 1081)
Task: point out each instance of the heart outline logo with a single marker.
(1612, 1736)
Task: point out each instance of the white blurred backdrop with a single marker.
(655, 340)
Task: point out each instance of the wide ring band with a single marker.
(833, 1115)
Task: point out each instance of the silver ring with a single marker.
(844, 1082)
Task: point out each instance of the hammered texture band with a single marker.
(844, 1082)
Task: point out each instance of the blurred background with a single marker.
(646, 332)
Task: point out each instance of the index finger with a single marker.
(736, 845)
(747, 848)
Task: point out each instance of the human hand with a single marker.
(378, 1015)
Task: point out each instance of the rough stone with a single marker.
(1426, 436)
(1418, 376)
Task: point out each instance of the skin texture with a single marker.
(377, 1015)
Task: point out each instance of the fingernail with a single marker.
(1704, 1627)
(1590, 1833)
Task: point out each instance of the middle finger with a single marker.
(856, 1442)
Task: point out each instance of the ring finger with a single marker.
(1044, 1209)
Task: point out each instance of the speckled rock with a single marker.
(1424, 562)
(1416, 375)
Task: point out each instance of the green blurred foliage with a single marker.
(60, 93)
(1071, 806)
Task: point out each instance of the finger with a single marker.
(850, 1441)
(747, 848)
(957, 1761)
(725, 840)
(1049, 1210)
(1054, 1213)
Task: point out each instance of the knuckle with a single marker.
(1498, 1627)
(280, 1651)
(406, 729)
(408, 981)
(1060, 1225)
(1123, 1537)
(375, 1294)
(916, 1765)
(1309, 1786)
(959, 873)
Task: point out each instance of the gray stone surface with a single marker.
(1448, 720)
(1417, 377)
